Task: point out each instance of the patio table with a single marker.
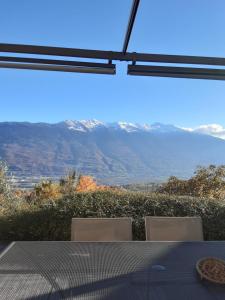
(107, 270)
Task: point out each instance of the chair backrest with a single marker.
(101, 229)
(173, 229)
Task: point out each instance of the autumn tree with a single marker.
(88, 184)
(207, 182)
(174, 185)
(9, 200)
(45, 191)
(68, 184)
(5, 190)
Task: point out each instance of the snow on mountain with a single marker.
(75, 125)
(90, 125)
(83, 125)
(214, 130)
(129, 127)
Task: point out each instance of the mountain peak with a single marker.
(83, 125)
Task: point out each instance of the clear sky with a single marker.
(162, 26)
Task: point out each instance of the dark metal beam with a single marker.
(130, 24)
(54, 51)
(112, 55)
(177, 72)
(43, 67)
(56, 65)
(55, 62)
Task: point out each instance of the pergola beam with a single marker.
(176, 72)
(110, 70)
(30, 60)
(111, 55)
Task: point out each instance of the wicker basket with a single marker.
(212, 269)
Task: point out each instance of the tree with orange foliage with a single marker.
(88, 184)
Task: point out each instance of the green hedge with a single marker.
(52, 221)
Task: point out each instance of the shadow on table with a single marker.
(164, 278)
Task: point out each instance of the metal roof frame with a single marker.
(108, 68)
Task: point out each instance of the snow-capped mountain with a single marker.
(93, 125)
(115, 153)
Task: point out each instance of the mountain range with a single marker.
(114, 153)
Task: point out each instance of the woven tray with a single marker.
(212, 269)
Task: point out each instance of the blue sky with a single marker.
(175, 27)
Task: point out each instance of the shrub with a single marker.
(53, 221)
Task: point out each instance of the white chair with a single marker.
(173, 228)
(101, 229)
